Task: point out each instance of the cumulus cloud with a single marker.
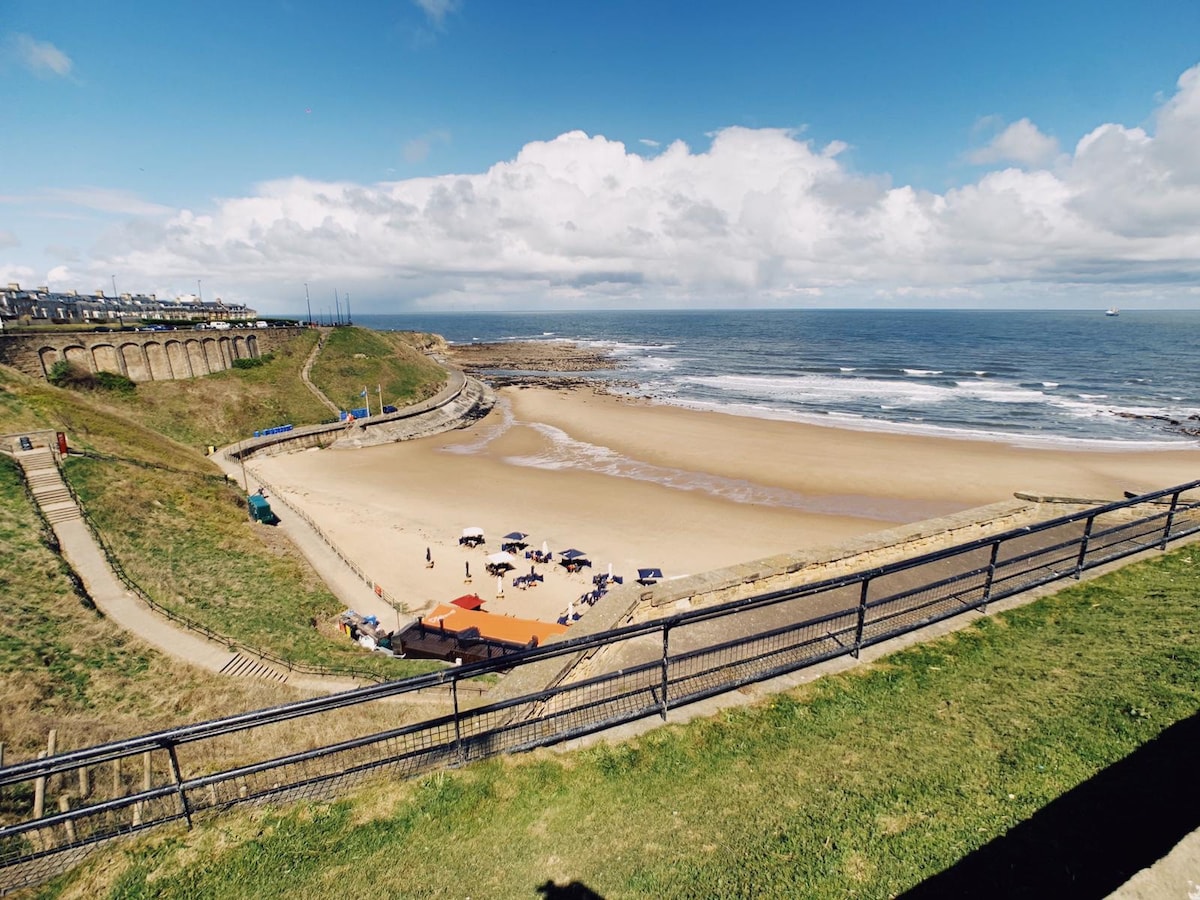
(757, 215)
(40, 57)
(1021, 143)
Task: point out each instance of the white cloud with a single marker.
(759, 215)
(437, 10)
(106, 200)
(1021, 143)
(647, 142)
(40, 57)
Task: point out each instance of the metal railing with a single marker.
(623, 675)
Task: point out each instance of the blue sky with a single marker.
(457, 154)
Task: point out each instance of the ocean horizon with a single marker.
(1079, 379)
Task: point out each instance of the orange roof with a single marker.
(490, 625)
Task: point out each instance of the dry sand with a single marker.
(638, 485)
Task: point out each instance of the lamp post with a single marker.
(308, 303)
(114, 281)
(199, 294)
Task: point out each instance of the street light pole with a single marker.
(308, 303)
(199, 294)
(114, 280)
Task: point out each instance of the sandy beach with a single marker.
(634, 484)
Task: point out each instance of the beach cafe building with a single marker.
(451, 632)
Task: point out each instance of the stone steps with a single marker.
(60, 512)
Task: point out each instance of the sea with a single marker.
(1078, 379)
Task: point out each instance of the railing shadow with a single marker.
(573, 890)
(1094, 838)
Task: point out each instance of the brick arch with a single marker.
(213, 357)
(157, 361)
(79, 356)
(178, 359)
(197, 358)
(106, 358)
(134, 362)
(48, 356)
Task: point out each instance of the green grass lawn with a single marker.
(186, 540)
(861, 784)
(180, 529)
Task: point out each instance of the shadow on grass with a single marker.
(1094, 838)
(573, 890)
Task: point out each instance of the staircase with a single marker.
(244, 667)
(46, 482)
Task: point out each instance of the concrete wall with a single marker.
(142, 355)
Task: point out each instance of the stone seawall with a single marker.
(142, 355)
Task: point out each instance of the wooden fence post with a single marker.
(64, 805)
(39, 792)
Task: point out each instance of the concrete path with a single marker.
(117, 602)
(123, 607)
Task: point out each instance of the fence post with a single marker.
(458, 747)
(1083, 546)
(666, 658)
(178, 776)
(862, 617)
(1170, 520)
(39, 791)
(991, 576)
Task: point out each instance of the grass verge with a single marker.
(862, 784)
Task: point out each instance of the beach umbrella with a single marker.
(428, 555)
(545, 548)
(610, 570)
(515, 536)
(499, 585)
(468, 570)
(649, 574)
(572, 554)
(472, 531)
(501, 558)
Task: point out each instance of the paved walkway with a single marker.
(111, 596)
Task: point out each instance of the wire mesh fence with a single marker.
(54, 810)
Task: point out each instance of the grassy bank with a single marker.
(178, 528)
(863, 784)
(386, 364)
(228, 406)
(64, 666)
